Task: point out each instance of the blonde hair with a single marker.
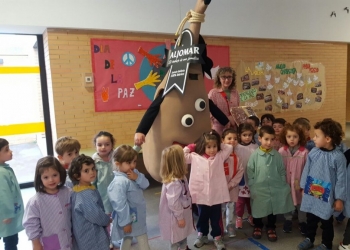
(172, 165)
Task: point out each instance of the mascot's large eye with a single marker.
(187, 120)
(200, 104)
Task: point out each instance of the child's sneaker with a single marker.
(218, 243)
(201, 240)
(251, 220)
(343, 247)
(287, 226)
(322, 247)
(231, 231)
(305, 244)
(239, 222)
(303, 228)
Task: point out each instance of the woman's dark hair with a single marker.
(269, 117)
(266, 129)
(107, 134)
(295, 128)
(255, 119)
(74, 171)
(228, 131)
(202, 141)
(331, 128)
(245, 127)
(44, 164)
(3, 143)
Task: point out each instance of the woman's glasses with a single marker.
(226, 77)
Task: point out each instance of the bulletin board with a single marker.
(278, 86)
(127, 73)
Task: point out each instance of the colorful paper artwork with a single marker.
(281, 86)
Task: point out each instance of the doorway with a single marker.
(24, 117)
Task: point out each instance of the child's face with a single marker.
(292, 138)
(265, 122)
(321, 141)
(68, 157)
(252, 122)
(211, 148)
(231, 139)
(103, 146)
(50, 179)
(247, 137)
(5, 154)
(87, 174)
(278, 127)
(267, 140)
(127, 166)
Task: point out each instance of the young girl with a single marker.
(278, 125)
(208, 185)
(294, 156)
(270, 193)
(104, 143)
(88, 216)
(126, 196)
(175, 214)
(243, 150)
(234, 172)
(11, 200)
(324, 183)
(47, 217)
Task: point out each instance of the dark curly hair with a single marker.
(44, 164)
(220, 72)
(331, 128)
(74, 171)
(295, 128)
(202, 141)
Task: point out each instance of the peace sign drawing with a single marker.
(128, 59)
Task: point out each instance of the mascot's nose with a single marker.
(187, 120)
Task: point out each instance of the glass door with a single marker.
(22, 119)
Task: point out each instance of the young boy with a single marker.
(324, 183)
(255, 122)
(278, 125)
(269, 190)
(67, 148)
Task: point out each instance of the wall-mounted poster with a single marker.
(127, 73)
(281, 86)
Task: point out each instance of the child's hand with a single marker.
(338, 205)
(181, 223)
(37, 245)
(132, 175)
(127, 229)
(297, 185)
(192, 147)
(230, 188)
(7, 221)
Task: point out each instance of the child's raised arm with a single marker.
(187, 151)
(225, 151)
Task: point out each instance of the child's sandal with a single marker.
(271, 235)
(257, 233)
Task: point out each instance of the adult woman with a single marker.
(224, 95)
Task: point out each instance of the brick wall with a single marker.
(68, 58)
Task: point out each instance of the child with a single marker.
(234, 173)
(126, 196)
(88, 216)
(175, 215)
(267, 119)
(47, 217)
(294, 156)
(208, 185)
(243, 150)
(324, 183)
(255, 122)
(345, 245)
(278, 125)
(67, 149)
(11, 203)
(270, 193)
(104, 143)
